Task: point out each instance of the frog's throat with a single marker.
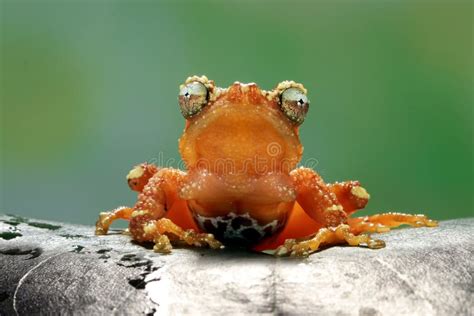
(246, 139)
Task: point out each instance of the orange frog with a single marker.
(242, 185)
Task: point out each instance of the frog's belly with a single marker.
(238, 225)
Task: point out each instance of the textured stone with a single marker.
(60, 268)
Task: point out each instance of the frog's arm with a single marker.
(317, 199)
(324, 208)
(158, 204)
(159, 212)
(319, 205)
(137, 178)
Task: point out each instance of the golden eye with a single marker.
(295, 104)
(192, 98)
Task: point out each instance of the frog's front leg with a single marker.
(317, 199)
(137, 178)
(148, 222)
(321, 203)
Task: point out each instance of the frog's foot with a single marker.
(381, 223)
(164, 232)
(326, 237)
(107, 218)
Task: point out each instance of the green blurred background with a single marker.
(89, 89)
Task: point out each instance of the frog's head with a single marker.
(241, 129)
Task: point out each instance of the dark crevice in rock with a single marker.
(44, 225)
(9, 235)
(101, 251)
(273, 289)
(34, 253)
(138, 283)
(3, 296)
(151, 313)
(134, 265)
(12, 223)
(77, 248)
(351, 275)
(368, 311)
(68, 236)
(134, 261)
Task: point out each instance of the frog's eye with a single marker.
(192, 98)
(295, 104)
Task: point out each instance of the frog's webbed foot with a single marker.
(163, 232)
(107, 218)
(381, 223)
(326, 237)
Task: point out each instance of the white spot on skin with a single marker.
(138, 213)
(244, 87)
(135, 173)
(360, 192)
(334, 208)
(149, 228)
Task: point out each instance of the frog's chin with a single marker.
(241, 139)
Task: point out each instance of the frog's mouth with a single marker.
(241, 139)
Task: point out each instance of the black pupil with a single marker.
(187, 94)
(300, 102)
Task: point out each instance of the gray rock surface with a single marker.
(48, 267)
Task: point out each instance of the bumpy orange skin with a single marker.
(241, 182)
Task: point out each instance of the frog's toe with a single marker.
(381, 223)
(162, 244)
(193, 238)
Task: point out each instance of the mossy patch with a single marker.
(9, 235)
